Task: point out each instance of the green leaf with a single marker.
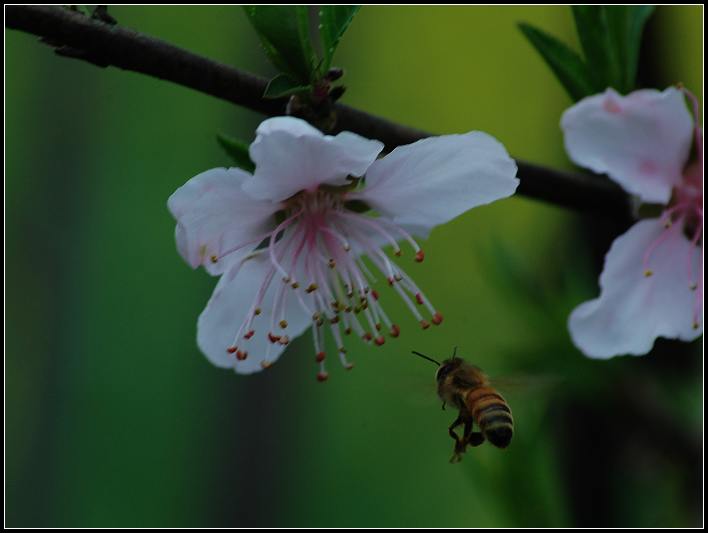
(238, 150)
(626, 24)
(599, 47)
(285, 35)
(334, 21)
(284, 85)
(565, 63)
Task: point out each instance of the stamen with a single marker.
(216, 258)
(273, 235)
(372, 223)
(665, 234)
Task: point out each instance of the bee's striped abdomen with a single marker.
(492, 414)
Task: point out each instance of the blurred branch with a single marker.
(78, 36)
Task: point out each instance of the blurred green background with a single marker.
(113, 417)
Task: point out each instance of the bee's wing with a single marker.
(416, 390)
(528, 383)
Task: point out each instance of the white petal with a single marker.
(227, 310)
(642, 141)
(436, 179)
(291, 156)
(633, 310)
(214, 215)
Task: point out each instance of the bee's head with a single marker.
(444, 368)
(447, 366)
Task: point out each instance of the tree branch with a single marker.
(82, 37)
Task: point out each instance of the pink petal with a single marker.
(228, 308)
(436, 179)
(633, 310)
(214, 215)
(642, 141)
(291, 156)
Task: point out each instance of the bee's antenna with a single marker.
(426, 357)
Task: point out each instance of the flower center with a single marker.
(320, 253)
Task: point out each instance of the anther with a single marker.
(424, 324)
(380, 340)
(249, 334)
(398, 253)
(695, 325)
(332, 263)
(257, 311)
(283, 324)
(273, 338)
(375, 294)
(311, 288)
(295, 285)
(287, 279)
(322, 376)
(348, 331)
(334, 320)
(367, 336)
(693, 286)
(395, 331)
(419, 298)
(231, 349)
(214, 259)
(342, 349)
(284, 340)
(320, 357)
(241, 355)
(390, 281)
(266, 364)
(397, 276)
(348, 366)
(648, 273)
(419, 256)
(437, 318)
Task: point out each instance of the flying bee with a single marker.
(467, 388)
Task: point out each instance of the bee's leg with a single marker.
(459, 445)
(473, 438)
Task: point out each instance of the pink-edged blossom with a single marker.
(652, 283)
(293, 249)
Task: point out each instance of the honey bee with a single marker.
(467, 388)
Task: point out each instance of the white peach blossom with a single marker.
(292, 246)
(652, 283)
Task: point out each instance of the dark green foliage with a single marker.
(565, 63)
(610, 37)
(284, 85)
(237, 150)
(285, 35)
(334, 21)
